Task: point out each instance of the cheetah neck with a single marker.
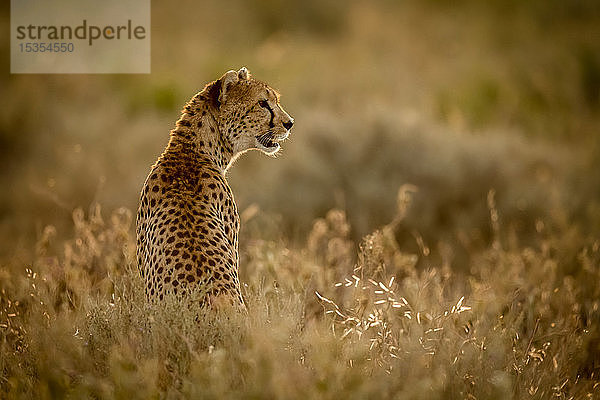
(197, 131)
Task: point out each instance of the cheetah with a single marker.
(187, 223)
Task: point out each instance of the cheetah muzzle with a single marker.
(187, 223)
(270, 143)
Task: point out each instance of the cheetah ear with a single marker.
(243, 74)
(227, 80)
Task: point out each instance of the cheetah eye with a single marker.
(263, 104)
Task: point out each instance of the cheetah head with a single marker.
(249, 114)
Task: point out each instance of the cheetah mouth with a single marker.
(269, 142)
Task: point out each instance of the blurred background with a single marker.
(457, 100)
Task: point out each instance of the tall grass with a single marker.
(330, 319)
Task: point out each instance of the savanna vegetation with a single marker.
(431, 230)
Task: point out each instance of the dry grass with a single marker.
(321, 323)
(431, 230)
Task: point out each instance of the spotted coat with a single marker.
(187, 223)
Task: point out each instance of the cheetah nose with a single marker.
(288, 125)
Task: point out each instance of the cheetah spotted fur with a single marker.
(187, 223)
